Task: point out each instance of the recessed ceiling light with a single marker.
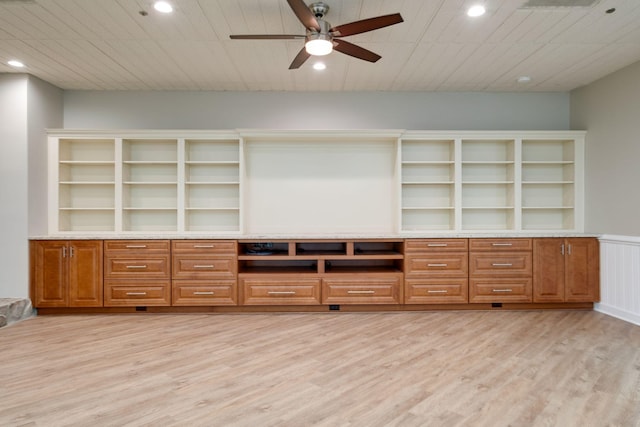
(319, 66)
(476, 10)
(163, 6)
(524, 79)
(15, 63)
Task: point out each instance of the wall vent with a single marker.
(553, 4)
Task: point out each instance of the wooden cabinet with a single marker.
(436, 271)
(566, 270)
(314, 272)
(137, 273)
(292, 272)
(500, 270)
(365, 289)
(204, 272)
(280, 290)
(66, 273)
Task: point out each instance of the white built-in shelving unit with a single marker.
(212, 185)
(150, 185)
(492, 181)
(385, 182)
(549, 185)
(488, 184)
(144, 182)
(428, 184)
(85, 185)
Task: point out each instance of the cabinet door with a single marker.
(49, 273)
(548, 270)
(582, 279)
(85, 273)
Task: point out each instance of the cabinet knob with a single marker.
(361, 292)
(437, 291)
(136, 266)
(136, 293)
(281, 292)
(502, 290)
(203, 293)
(203, 266)
(502, 264)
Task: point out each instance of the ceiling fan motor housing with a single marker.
(319, 9)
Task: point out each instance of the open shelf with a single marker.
(325, 256)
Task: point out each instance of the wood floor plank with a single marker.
(501, 368)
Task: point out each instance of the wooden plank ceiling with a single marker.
(109, 45)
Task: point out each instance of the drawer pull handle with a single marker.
(438, 291)
(503, 264)
(361, 292)
(437, 265)
(502, 244)
(204, 293)
(281, 292)
(136, 266)
(204, 246)
(136, 293)
(203, 266)
(136, 246)
(502, 290)
(436, 245)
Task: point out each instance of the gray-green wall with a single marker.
(326, 110)
(609, 109)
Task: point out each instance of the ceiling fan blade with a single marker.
(355, 51)
(266, 37)
(365, 25)
(304, 14)
(302, 56)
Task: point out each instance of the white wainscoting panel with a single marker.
(620, 277)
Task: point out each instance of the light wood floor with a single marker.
(336, 369)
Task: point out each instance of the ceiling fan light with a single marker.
(318, 47)
(476, 10)
(163, 7)
(15, 63)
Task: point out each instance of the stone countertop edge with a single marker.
(276, 236)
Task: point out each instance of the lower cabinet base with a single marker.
(320, 308)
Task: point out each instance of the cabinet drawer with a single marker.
(500, 290)
(138, 293)
(227, 247)
(490, 264)
(436, 245)
(500, 244)
(140, 267)
(450, 264)
(436, 291)
(195, 292)
(280, 291)
(137, 246)
(365, 290)
(201, 267)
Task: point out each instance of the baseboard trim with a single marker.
(617, 313)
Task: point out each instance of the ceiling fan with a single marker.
(321, 38)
